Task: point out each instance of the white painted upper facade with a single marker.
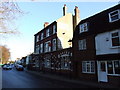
(108, 42)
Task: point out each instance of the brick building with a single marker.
(52, 46)
(96, 47)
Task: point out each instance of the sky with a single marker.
(36, 13)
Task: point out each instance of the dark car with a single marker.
(7, 67)
(20, 67)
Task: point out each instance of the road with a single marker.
(22, 79)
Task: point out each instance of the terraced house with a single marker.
(52, 44)
(96, 47)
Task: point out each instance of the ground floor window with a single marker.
(47, 63)
(65, 62)
(113, 67)
(88, 67)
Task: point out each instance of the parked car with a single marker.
(7, 67)
(20, 67)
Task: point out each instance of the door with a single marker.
(102, 71)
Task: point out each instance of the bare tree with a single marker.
(9, 11)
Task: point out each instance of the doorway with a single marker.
(102, 71)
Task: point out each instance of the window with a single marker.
(115, 38)
(114, 16)
(47, 46)
(47, 63)
(54, 45)
(65, 62)
(37, 49)
(82, 44)
(88, 67)
(41, 36)
(113, 67)
(83, 27)
(41, 48)
(47, 33)
(54, 29)
(110, 67)
(37, 38)
(117, 67)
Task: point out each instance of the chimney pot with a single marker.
(76, 7)
(46, 24)
(64, 5)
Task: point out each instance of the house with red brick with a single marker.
(96, 47)
(52, 46)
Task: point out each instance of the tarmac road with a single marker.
(21, 79)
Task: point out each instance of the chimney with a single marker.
(46, 24)
(77, 12)
(76, 19)
(64, 10)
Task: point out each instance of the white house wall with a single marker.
(65, 30)
(104, 44)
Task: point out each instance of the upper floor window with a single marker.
(41, 48)
(115, 38)
(47, 33)
(37, 38)
(37, 49)
(41, 36)
(54, 45)
(83, 27)
(47, 46)
(114, 16)
(82, 44)
(54, 29)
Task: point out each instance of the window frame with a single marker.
(37, 38)
(47, 63)
(37, 48)
(110, 17)
(115, 37)
(42, 36)
(82, 44)
(54, 48)
(41, 48)
(47, 32)
(113, 68)
(83, 27)
(65, 62)
(85, 65)
(54, 29)
(47, 48)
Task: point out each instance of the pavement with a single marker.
(71, 80)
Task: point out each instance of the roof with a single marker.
(101, 13)
(45, 27)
